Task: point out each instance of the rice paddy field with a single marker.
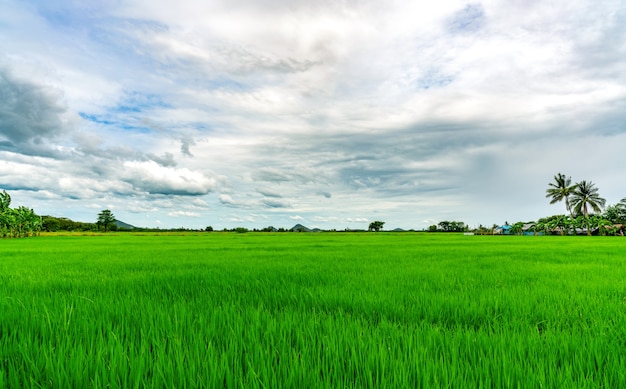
(327, 310)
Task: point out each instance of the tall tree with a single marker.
(561, 189)
(586, 196)
(106, 220)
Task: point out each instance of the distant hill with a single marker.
(300, 228)
(124, 226)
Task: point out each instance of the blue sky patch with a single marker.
(469, 19)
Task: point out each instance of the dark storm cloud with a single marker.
(30, 114)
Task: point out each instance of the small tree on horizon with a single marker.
(106, 220)
(376, 226)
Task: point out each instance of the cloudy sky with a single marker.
(330, 113)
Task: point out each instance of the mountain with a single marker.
(124, 226)
(300, 228)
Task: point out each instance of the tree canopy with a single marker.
(106, 220)
(376, 226)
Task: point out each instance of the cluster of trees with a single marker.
(54, 224)
(448, 226)
(587, 212)
(17, 222)
(584, 205)
(567, 225)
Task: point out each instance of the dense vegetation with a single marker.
(584, 205)
(17, 222)
(312, 310)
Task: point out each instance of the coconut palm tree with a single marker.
(560, 190)
(586, 196)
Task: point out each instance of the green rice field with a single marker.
(312, 310)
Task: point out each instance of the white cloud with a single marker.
(183, 214)
(156, 179)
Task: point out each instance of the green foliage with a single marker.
(312, 310)
(376, 226)
(517, 228)
(585, 199)
(561, 190)
(586, 196)
(616, 213)
(452, 226)
(17, 222)
(106, 220)
(54, 224)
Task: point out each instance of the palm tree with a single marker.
(560, 190)
(586, 195)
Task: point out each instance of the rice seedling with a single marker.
(312, 310)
